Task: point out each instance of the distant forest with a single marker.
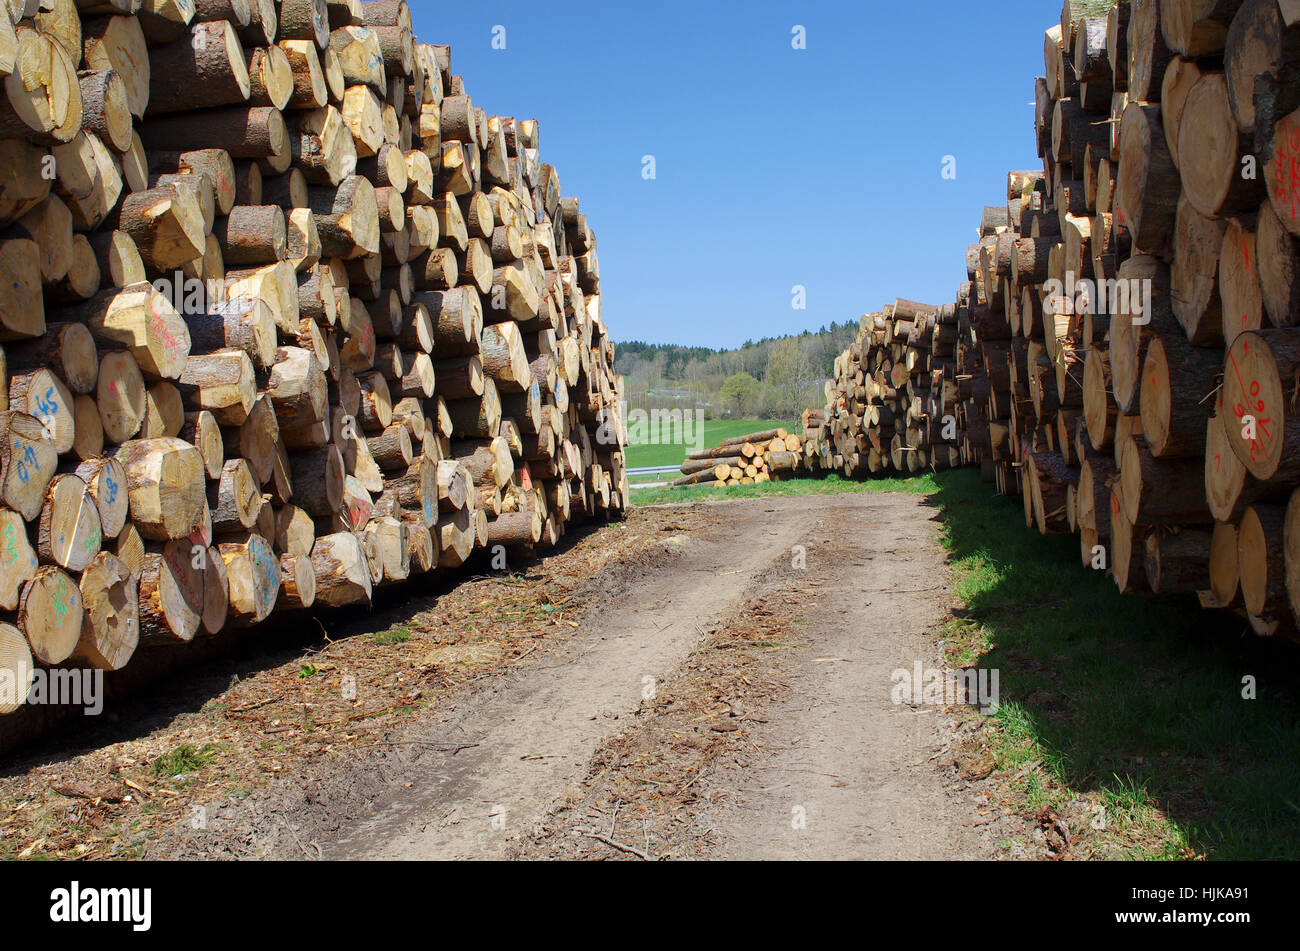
(774, 378)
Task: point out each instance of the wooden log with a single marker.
(1225, 580)
(1261, 563)
(28, 462)
(166, 224)
(271, 78)
(319, 475)
(1160, 491)
(141, 320)
(1049, 480)
(253, 578)
(515, 529)
(106, 482)
(172, 589)
(342, 572)
(1193, 275)
(246, 132)
(245, 324)
(120, 396)
(504, 358)
(164, 413)
(1291, 552)
(1178, 381)
(21, 313)
(310, 90)
(1148, 180)
(347, 219)
(1128, 573)
(488, 461)
(454, 485)
(49, 613)
(1239, 285)
(253, 235)
(1132, 329)
(456, 534)
(1255, 386)
(110, 622)
(1197, 27)
(297, 387)
(1278, 257)
(295, 532)
(42, 99)
(67, 349)
(90, 178)
(119, 259)
(49, 224)
(223, 383)
(390, 538)
(18, 562)
(42, 395)
(234, 498)
(117, 43)
(202, 70)
(17, 669)
(83, 277)
(1282, 171)
(69, 533)
(165, 487)
(1211, 150)
(1178, 562)
(297, 583)
(478, 417)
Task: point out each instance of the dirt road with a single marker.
(727, 696)
(532, 735)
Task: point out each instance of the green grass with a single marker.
(830, 485)
(394, 635)
(185, 758)
(715, 430)
(1133, 702)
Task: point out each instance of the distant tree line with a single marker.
(776, 377)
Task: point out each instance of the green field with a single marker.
(1131, 705)
(715, 430)
(830, 485)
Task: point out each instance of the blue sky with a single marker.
(775, 167)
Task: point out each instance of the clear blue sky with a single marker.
(775, 167)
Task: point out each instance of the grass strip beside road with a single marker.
(1132, 703)
(1136, 712)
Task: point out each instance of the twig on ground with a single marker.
(621, 846)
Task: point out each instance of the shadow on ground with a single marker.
(163, 683)
(1140, 698)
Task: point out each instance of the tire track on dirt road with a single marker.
(840, 771)
(524, 741)
(779, 737)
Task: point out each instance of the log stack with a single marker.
(745, 460)
(285, 317)
(1128, 339)
(891, 392)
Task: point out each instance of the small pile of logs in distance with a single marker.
(745, 460)
(1129, 336)
(285, 317)
(892, 390)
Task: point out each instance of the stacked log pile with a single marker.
(285, 317)
(1129, 334)
(892, 391)
(745, 460)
